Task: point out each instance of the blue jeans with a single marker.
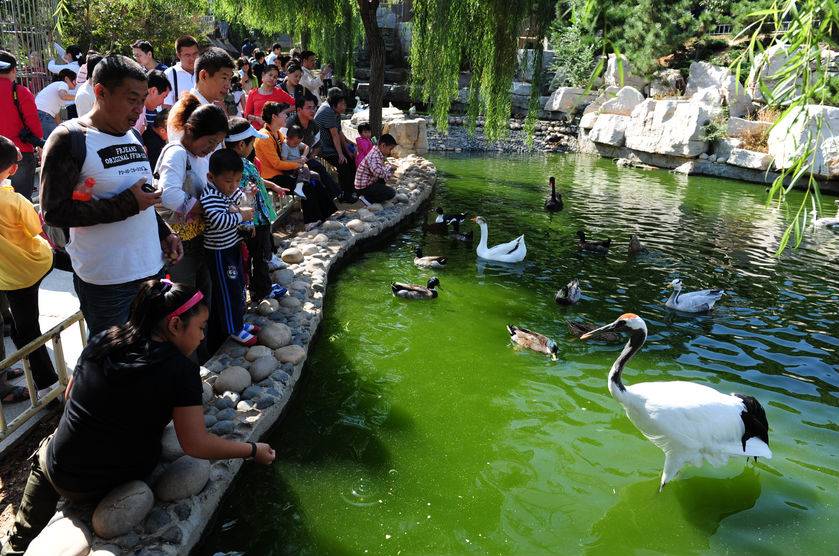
(107, 306)
(47, 122)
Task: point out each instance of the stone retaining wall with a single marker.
(245, 393)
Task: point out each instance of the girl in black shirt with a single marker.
(130, 381)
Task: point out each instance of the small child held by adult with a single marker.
(295, 149)
(373, 171)
(240, 139)
(223, 216)
(363, 143)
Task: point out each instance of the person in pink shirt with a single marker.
(364, 143)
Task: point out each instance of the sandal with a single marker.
(17, 394)
(14, 372)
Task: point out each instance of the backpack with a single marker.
(59, 236)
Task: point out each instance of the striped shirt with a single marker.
(221, 225)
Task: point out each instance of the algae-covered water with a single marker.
(418, 429)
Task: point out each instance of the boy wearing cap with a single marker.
(240, 139)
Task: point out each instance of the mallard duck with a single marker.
(583, 244)
(460, 236)
(578, 328)
(443, 218)
(533, 340)
(569, 293)
(412, 291)
(692, 302)
(511, 252)
(635, 245)
(554, 202)
(430, 261)
(691, 423)
(435, 227)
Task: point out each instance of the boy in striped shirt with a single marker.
(222, 217)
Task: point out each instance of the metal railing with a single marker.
(53, 335)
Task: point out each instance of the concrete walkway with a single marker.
(57, 301)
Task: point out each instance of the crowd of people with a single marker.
(160, 180)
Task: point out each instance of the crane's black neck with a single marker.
(636, 340)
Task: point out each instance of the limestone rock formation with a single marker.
(670, 127)
(714, 86)
(792, 135)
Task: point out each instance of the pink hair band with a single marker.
(188, 304)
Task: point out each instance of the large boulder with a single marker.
(388, 113)
(671, 127)
(765, 74)
(714, 86)
(567, 99)
(610, 129)
(615, 71)
(122, 509)
(410, 134)
(749, 159)
(667, 82)
(184, 478)
(739, 127)
(588, 120)
(811, 126)
(623, 103)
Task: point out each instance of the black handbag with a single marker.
(25, 134)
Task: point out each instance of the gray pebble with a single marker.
(224, 403)
(157, 519)
(280, 376)
(222, 428)
(210, 420)
(129, 540)
(262, 403)
(251, 392)
(183, 511)
(173, 535)
(226, 414)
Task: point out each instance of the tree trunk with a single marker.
(377, 62)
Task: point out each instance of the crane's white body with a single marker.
(692, 302)
(511, 252)
(691, 423)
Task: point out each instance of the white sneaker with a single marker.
(298, 190)
(275, 262)
(364, 200)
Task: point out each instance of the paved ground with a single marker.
(57, 301)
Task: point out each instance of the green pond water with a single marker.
(418, 429)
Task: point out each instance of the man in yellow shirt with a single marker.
(25, 259)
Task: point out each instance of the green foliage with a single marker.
(333, 26)
(574, 55)
(112, 25)
(717, 128)
(831, 97)
(481, 34)
(655, 28)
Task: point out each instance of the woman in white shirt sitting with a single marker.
(51, 98)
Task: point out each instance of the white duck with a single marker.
(692, 302)
(690, 422)
(511, 252)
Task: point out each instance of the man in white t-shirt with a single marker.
(214, 72)
(309, 80)
(84, 95)
(276, 52)
(181, 76)
(117, 240)
(53, 97)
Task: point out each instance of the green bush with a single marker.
(717, 128)
(574, 60)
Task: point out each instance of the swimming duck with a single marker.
(533, 340)
(435, 227)
(635, 245)
(691, 423)
(554, 202)
(460, 236)
(443, 218)
(412, 291)
(511, 252)
(430, 261)
(601, 246)
(578, 328)
(569, 293)
(692, 302)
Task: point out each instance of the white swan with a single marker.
(831, 222)
(692, 302)
(511, 252)
(690, 422)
